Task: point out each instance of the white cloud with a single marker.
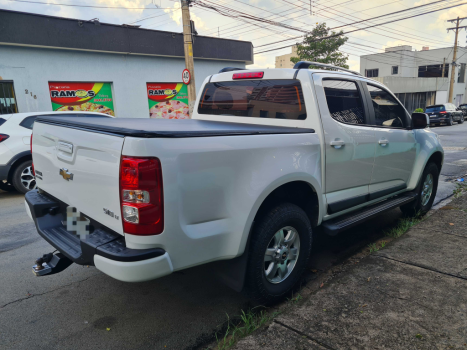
(176, 15)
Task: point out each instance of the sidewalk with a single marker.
(410, 295)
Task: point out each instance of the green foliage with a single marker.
(323, 51)
(373, 247)
(243, 326)
(403, 226)
(419, 110)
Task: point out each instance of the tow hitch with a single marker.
(50, 264)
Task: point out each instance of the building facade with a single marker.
(48, 63)
(418, 78)
(284, 60)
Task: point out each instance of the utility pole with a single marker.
(454, 57)
(188, 45)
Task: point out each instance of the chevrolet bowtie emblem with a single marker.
(66, 174)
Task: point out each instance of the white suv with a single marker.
(15, 153)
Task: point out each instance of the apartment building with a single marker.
(418, 78)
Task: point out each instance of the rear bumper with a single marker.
(103, 248)
(439, 120)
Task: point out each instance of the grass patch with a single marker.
(402, 226)
(247, 323)
(460, 189)
(373, 247)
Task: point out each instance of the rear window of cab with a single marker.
(273, 99)
(431, 109)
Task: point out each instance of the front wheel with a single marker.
(450, 122)
(461, 121)
(23, 179)
(426, 192)
(279, 251)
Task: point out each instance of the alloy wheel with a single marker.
(27, 178)
(281, 254)
(427, 189)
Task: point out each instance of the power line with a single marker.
(355, 30)
(99, 7)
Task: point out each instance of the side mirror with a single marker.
(420, 120)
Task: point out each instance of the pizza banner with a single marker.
(168, 100)
(84, 97)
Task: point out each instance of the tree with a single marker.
(315, 49)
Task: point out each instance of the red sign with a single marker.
(186, 76)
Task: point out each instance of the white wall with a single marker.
(32, 68)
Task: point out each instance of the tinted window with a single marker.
(388, 112)
(7, 98)
(2, 121)
(344, 101)
(431, 109)
(371, 73)
(281, 99)
(28, 122)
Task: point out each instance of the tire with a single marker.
(422, 204)
(5, 186)
(461, 121)
(290, 219)
(23, 180)
(450, 122)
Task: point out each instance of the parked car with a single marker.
(463, 108)
(15, 153)
(444, 113)
(268, 157)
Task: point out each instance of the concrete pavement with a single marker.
(409, 295)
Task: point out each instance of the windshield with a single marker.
(431, 109)
(281, 99)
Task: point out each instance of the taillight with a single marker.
(141, 196)
(32, 165)
(442, 112)
(3, 137)
(249, 75)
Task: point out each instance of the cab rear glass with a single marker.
(2, 121)
(273, 99)
(431, 109)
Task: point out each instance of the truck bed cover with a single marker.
(167, 128)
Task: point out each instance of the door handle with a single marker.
(337, 143)
(383, 142)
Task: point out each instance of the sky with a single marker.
(426, 30)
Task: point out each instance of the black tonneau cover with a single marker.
(172, 128)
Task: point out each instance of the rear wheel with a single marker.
(279, 251)
(23, 179)
(426, 192)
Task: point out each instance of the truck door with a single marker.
(349, 140)
(396, 148)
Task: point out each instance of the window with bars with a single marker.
(7, 98)
(395, 70)
(461, 74)
(371, 73)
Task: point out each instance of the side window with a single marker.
(344, 101)
(388, 111)
(28, 122)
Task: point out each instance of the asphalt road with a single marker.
(82, 308)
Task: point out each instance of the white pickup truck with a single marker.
(268, 156)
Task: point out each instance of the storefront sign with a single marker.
(85, 97)
(168, 100)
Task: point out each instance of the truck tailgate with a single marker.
(80, 168)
